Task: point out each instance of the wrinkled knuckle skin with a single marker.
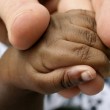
(67, 81)
(91, 22)
(90, 37)
(82, 52)
(57, 83)
(86, 12)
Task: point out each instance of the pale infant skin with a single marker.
(64, 5)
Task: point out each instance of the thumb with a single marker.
(60, 79)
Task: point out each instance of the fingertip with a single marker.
(88, 75)
(84, 72)
(92, 87)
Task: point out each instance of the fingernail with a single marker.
(87, 75)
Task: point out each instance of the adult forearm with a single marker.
(12, 97)
(15, 99)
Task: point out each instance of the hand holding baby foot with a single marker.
(69, 40)
(86, 5)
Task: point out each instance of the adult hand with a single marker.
(49, 66)
(25, 20)
(102, 8)
(65, 5)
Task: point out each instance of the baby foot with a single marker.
(25, 20)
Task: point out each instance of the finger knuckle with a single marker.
(86, 12)
(91, 21)
(67, 81)
(90, 37)
(82, 52)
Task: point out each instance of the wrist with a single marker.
(20, 99)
